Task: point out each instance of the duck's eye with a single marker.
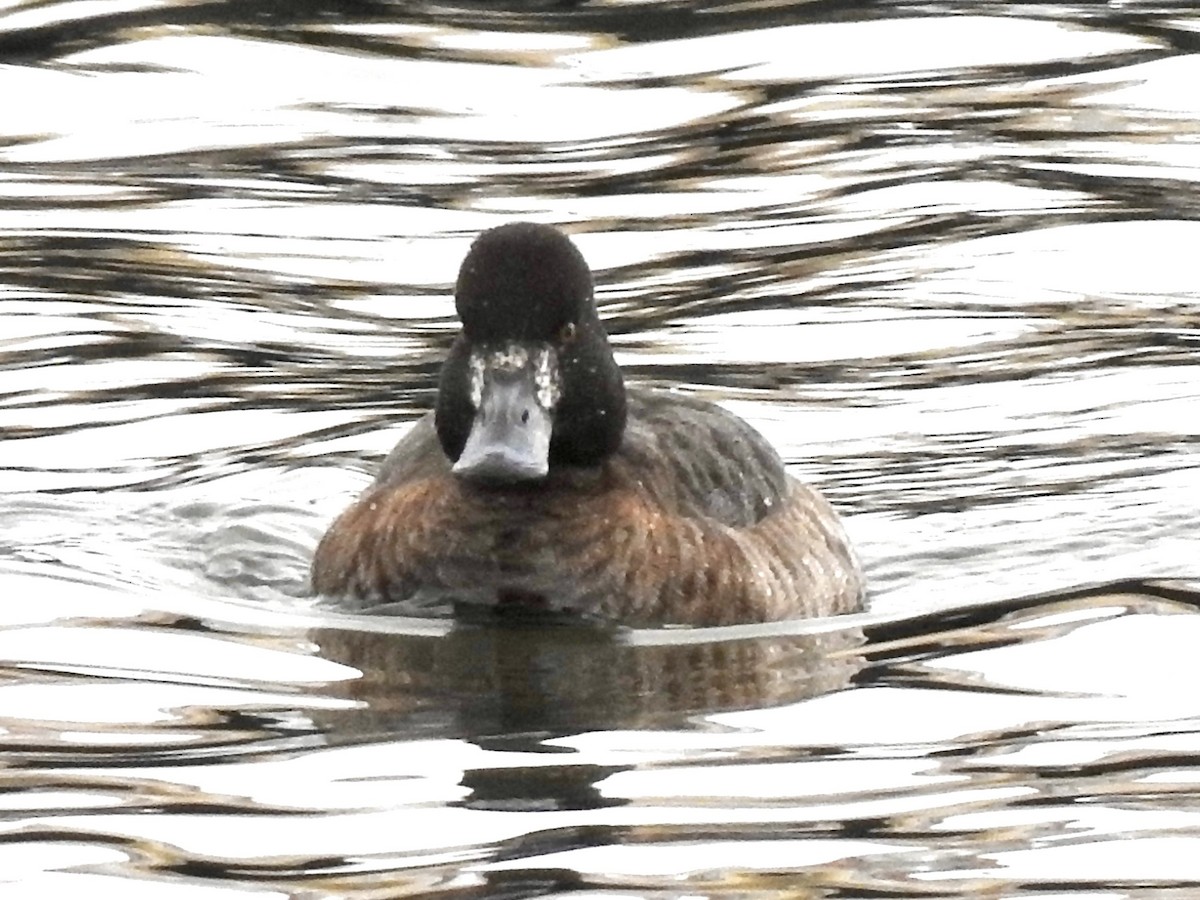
(567, 333)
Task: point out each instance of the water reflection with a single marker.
(499, 757)
(537, 681)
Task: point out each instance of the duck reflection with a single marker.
(518, 682)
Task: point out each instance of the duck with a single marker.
(541, 482)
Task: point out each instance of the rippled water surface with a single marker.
(942, 255)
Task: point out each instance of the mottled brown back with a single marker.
(692, 521)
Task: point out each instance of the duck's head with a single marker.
(530, 382)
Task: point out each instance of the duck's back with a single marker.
(693, 520)
(700, 460)
(747, 541)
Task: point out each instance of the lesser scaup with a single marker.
(540, 480)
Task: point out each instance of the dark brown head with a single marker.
(530, 383)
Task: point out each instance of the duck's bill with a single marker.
(510, 435)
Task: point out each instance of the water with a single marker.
(943, 261)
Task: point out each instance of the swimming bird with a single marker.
(541, 481)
